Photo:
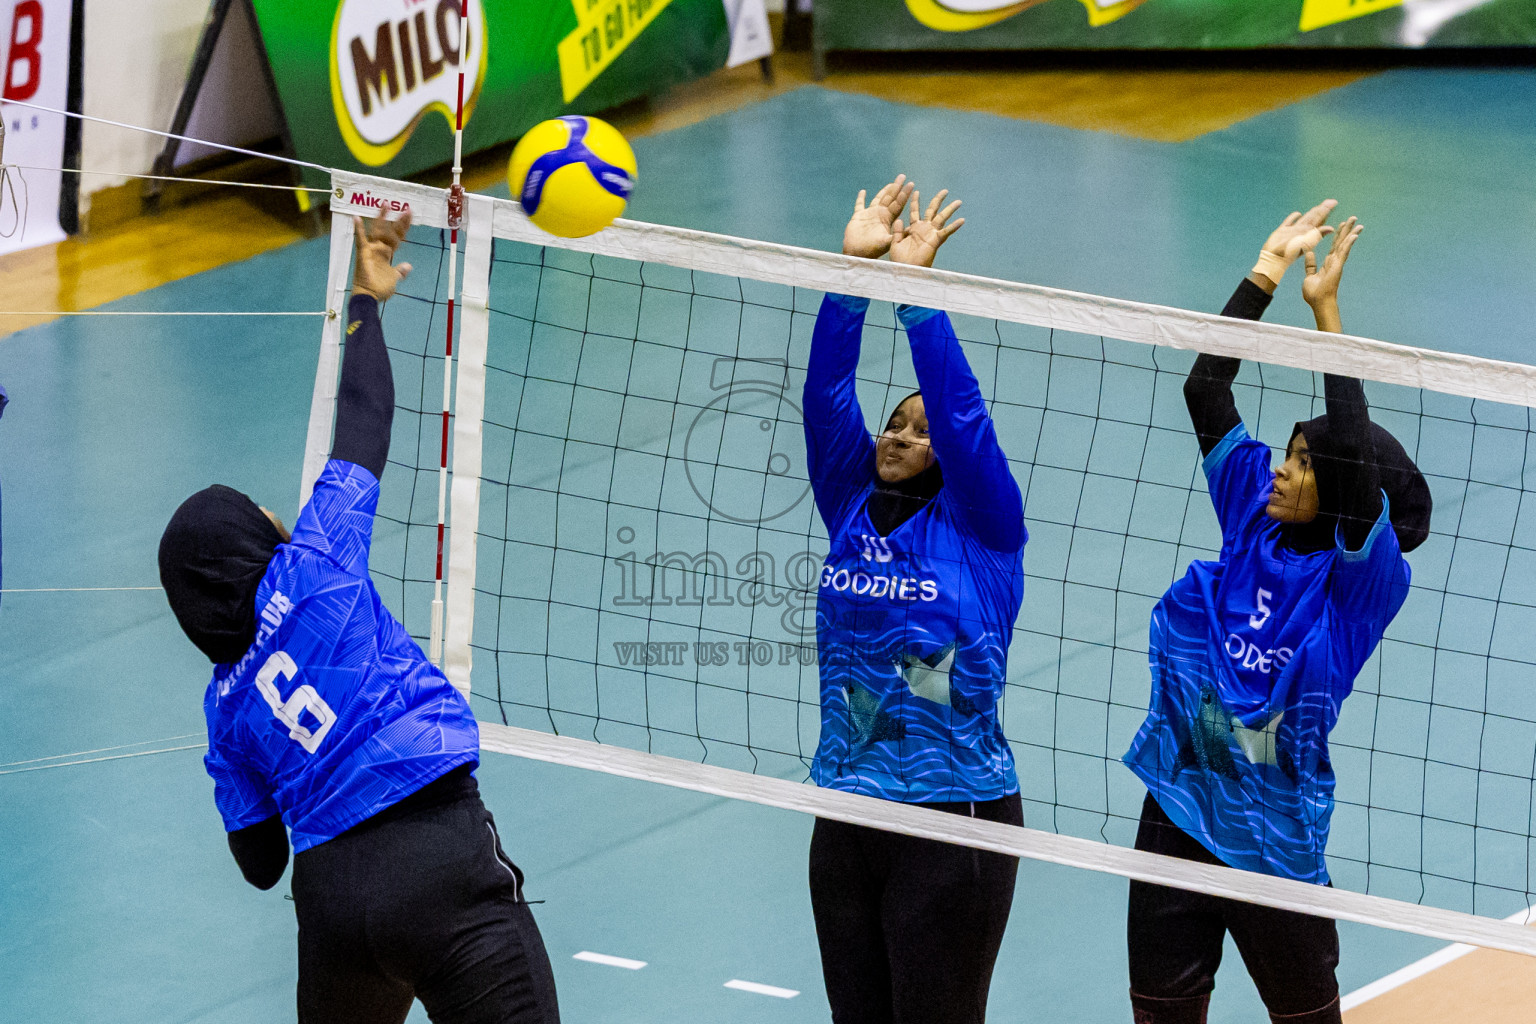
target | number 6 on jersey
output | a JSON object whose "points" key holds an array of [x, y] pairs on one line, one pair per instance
{"points": [[303, 699]]}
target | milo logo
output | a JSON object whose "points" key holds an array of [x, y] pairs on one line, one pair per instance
{"points": [[392, 61]]}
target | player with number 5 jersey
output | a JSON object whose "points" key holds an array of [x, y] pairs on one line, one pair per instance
{"points": [[324, 716], [1253, 654]]}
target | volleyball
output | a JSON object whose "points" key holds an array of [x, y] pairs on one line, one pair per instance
{"points": [[572, 174]]}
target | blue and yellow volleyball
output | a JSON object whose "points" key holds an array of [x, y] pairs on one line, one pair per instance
{"points": [[573, 175]]}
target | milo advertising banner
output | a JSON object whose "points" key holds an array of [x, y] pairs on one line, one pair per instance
{"points": [[1170, 24], [372, 85]]}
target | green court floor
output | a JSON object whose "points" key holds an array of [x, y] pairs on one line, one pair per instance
{"points": [[118, 899]]}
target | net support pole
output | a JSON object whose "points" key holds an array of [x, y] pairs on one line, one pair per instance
{"points": [[435, 635], [455, 222], [469, 404], [322, 406], [1012, 840]]}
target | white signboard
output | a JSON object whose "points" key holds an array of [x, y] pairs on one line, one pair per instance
{"points": [[750, 36], [36, 71]]}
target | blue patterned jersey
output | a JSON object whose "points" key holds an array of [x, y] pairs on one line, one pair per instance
{"points": [[912, 628], [334, 713], [1252, 656]]}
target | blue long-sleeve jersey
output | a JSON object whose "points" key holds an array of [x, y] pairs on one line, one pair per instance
{"points": [[1252, 656], [912, 628], [334, 713]]}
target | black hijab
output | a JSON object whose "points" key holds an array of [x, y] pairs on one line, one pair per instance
{"points": [[213, 555], [1407, 491], [891, 504]]}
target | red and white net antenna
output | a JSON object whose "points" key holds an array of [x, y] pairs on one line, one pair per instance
{"points": [[455, 222]]}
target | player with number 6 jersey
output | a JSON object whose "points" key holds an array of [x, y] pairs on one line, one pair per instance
{"points": [[324, 716]]}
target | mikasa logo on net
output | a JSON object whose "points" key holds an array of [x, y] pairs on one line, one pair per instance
{"points": [[393, 61]]}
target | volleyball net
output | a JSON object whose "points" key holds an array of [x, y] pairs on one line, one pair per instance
{"points": [[632, 553]]}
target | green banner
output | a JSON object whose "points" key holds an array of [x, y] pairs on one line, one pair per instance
{"points": [[1170, 24], [372, 85]]}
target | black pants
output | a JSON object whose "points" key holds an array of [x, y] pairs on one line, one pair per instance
{"points": [[910, 928], [1175, 939], [420, 904]]}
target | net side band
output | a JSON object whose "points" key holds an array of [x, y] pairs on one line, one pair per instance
{"points": [[1034, 305], [1033, 844]]}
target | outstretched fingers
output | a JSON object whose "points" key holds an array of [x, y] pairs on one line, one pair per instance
{"points": [[892, 196], [944, 214], [1345, 239], [950, 229], [380, 230], [934, 204]]}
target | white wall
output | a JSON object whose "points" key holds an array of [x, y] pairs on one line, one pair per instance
{"points": [[137, 53]]}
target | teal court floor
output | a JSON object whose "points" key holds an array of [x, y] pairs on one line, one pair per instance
{"points": [[118, 899]]}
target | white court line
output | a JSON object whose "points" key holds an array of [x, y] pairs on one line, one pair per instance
{"points": [[761, 989], [1419, 968], [609, 961]]}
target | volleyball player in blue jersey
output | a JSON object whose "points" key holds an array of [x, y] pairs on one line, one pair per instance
{"points": [[325, 716], [914, 614], [1252, 656]]}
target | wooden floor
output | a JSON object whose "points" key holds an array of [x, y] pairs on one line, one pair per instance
{"points": [[229, 225], [1484, 987]]}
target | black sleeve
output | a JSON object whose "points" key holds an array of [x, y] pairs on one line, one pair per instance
{"points": [[1208, 389], [261, 850], [1359, 477], [365, 400]]}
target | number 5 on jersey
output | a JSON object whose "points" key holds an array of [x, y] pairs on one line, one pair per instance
{"points": [[302, 699], [1257, 621]]}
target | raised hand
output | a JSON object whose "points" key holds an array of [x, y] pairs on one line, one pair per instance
{"points": [[1296, 233], [1321, 287], [1301, 231], [918, 243], [373, 271], [868, 233]]}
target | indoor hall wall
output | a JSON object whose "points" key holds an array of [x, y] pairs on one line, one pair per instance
{"points": [[137, 53]]}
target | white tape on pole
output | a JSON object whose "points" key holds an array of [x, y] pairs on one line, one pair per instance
{"points": [[322, 405], [469, 414]]}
